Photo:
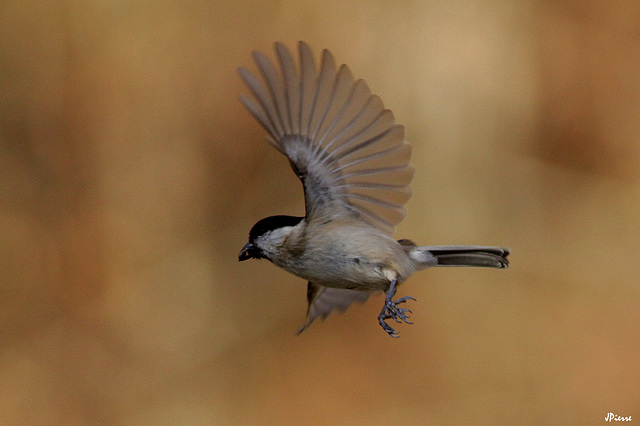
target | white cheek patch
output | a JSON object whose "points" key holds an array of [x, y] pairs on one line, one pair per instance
{"points": [[272, 241], [277, 236]]}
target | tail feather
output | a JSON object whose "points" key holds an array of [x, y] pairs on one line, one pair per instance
{"points": [[479, 256]]}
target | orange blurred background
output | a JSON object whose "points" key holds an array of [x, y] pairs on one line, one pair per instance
{"points": [[130, 176]]}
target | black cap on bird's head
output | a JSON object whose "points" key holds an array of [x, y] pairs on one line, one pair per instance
{"points": [[251, 250]]}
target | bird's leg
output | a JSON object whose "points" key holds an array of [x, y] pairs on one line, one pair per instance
{"points": [[390, 310]]}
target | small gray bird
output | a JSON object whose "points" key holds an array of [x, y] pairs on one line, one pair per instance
{"points": [[355, 167]]}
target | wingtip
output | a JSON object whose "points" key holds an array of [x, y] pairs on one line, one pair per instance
{"points": [[259, 57], [280, 48], [303, 46], [243, 72]]}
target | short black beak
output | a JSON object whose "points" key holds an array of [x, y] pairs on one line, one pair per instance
{"points": [[247, 252]]}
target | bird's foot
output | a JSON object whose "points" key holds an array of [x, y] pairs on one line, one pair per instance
{"points": [[391, 310]]}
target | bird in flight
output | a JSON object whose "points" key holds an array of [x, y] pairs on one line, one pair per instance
{"points": [[354, 165]]}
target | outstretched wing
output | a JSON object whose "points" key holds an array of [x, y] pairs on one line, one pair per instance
{"points": [[322, 300], [340, 140]]}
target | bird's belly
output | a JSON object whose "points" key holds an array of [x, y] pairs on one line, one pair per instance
{"points": [[345, 273]]}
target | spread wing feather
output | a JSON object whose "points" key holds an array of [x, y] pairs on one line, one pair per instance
{"points": [[323, 300], [340, 140]]}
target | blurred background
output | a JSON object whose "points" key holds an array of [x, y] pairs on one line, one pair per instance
{"points": [[130, 176]]}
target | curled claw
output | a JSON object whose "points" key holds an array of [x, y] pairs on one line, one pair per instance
{"points": [[386, 327], [404, 299]]}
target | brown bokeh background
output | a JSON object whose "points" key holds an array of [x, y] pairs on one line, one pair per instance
{"points": [[130, 176]]}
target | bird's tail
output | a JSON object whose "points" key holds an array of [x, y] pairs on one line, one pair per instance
{"points": [[481, 256]]}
